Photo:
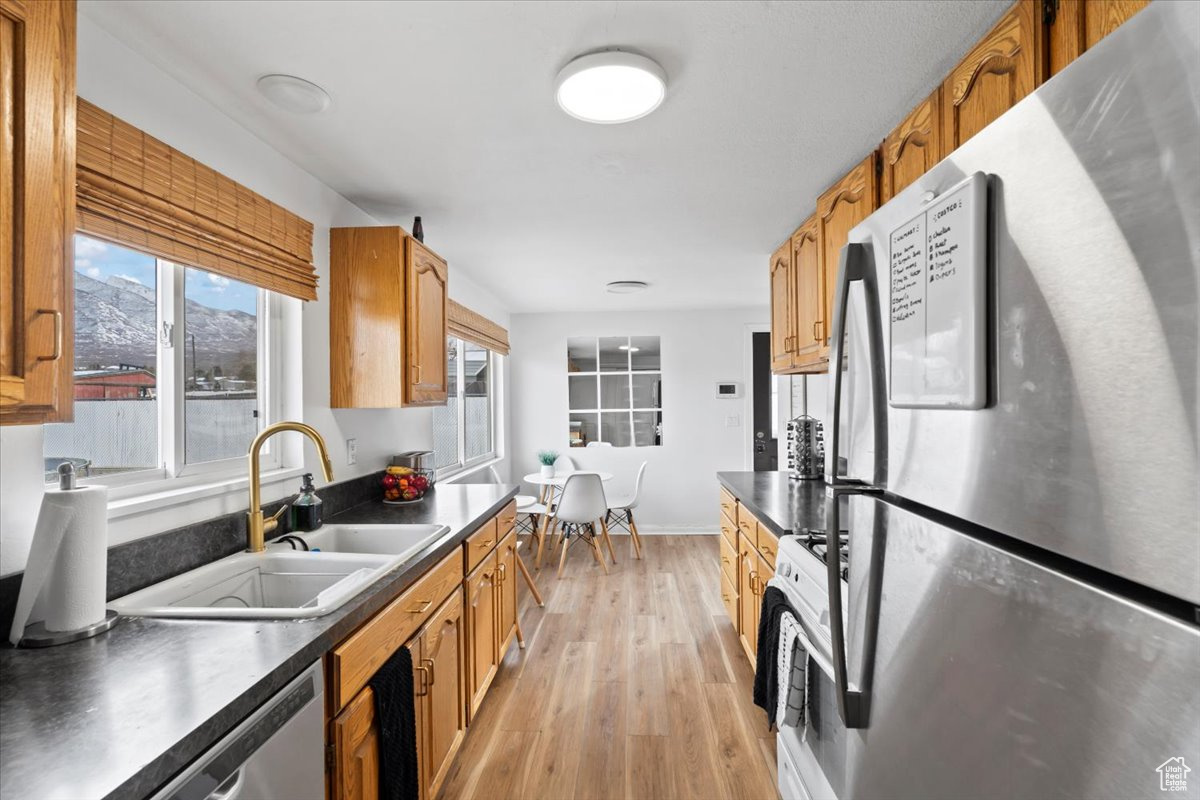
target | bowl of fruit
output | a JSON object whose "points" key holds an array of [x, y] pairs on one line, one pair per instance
{"points": [[405, 485]]}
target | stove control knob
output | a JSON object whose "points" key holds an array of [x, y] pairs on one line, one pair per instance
{"points": [[785, 570]]}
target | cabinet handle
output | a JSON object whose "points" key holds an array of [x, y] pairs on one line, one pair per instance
{"points": [[424, 606], [725, 597], [416, 368], [58, 333], [484, 543], [429, 662], [502, 574], [424, 682], [816, 325]]}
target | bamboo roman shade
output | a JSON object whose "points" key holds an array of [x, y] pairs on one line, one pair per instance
{"points": [[136, 191], [466, 324]]}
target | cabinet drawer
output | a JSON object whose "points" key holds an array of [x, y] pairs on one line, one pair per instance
{"points": [[506, 519], [729, 597], [768, 544], [729, 531], [729, 559], [480, 543], [729, 506], [354, 661], [748, 525]]}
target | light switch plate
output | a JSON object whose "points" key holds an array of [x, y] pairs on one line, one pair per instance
{"points": [[733, 421], [351, 452]]}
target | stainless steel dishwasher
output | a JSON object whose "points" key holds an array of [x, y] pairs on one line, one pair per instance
{"points": [[276, 753]]}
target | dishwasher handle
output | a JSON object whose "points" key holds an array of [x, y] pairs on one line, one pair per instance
{"points": [[231, 789]]}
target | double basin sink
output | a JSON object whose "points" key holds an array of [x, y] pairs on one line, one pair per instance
{"points": [[282, 582]]}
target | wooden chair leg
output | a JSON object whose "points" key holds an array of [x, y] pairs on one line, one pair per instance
{"points": [[520, 635], [608, 541], [545, 525], [633, 532], [537, 596], [595, 543], [562, 560]]}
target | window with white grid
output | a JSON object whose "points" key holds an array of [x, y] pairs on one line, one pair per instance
{"points": [[614, 391]]}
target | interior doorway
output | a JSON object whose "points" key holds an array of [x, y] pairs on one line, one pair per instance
{"points": [[766, 444]]}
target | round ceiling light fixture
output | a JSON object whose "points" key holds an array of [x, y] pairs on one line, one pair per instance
{"points": [[610, 87], [294, 94], [626, 287]]}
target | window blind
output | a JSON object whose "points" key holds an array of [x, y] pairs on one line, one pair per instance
{"points": [[136, 191], [466, 324]]}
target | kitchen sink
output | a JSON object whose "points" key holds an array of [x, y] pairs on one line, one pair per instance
{"points": [[285, 583], [271, 585], [402, 540]]}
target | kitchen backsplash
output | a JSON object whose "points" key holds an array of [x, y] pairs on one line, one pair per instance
{"points": [[142, 562]]}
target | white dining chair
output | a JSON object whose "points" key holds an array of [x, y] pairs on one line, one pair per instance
{"points": [[564, 464], [599, 444], [580, 506], [623, 506]]}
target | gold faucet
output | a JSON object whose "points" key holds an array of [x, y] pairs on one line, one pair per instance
{"points": [[258, 526]]}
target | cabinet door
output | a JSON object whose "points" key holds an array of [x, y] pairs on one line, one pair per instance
{"points": [[748, 596], [506, 605], [37, 209], [810, 305], [356, 750], [844, 205], [481, 630], [1079, 24], [1007, 64], [782, 320], [912, 149], [425, 326], [443, 714]]}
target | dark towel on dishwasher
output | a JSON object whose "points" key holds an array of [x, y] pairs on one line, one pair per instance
{"points": [[394, 706], [766, 669]]}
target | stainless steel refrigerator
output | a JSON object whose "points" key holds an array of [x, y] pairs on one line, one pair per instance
{"points": [[1014, 382]]}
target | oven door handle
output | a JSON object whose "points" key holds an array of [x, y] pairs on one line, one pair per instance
{"points": [[816, 655]]}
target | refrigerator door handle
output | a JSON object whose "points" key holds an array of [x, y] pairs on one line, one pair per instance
{"points": [[857, 263], [853, 704]]}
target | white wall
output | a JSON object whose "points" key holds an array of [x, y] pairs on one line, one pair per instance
{"points": [[122, 82], [699, 348]]}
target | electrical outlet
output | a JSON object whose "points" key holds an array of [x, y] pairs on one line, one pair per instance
{"points": [[351, 452]]}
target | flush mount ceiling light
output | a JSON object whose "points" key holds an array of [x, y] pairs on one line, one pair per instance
{"points": [[610, 87], [626, 287], [294, 94], [628, 347]]}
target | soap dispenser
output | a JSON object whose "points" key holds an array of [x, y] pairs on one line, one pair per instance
{"points": [[305, 513]]}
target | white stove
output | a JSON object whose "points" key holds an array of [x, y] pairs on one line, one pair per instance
{"points": [[811, 759]]}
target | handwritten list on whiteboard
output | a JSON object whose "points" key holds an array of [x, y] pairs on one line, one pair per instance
{"points": [[938, 281]]}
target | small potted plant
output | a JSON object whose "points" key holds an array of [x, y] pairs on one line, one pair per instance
{"points": [[547, 459]]}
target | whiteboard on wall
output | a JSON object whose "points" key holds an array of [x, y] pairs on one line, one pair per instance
{"points": [[938, 301]]}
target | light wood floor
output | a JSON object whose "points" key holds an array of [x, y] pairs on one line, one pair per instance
{"points": [[632, 685]]}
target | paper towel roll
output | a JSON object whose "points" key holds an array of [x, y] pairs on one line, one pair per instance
{"points": [[68, 561]]}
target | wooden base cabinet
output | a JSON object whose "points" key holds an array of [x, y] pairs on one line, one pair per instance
{"points": [[748, 596], [355, 742], [747, 561], [482, 648], [437, 654], [37, 209], [506, 604]]}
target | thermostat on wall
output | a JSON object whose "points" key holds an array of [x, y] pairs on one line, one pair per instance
{"points": [[729, 389]]}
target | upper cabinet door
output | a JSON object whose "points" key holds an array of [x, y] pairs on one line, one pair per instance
{"points": [[425, 326], [912, 149], [782, 320], [37, 209], [1079, 24], [810, 305], [1007, 64], [844, 205]]}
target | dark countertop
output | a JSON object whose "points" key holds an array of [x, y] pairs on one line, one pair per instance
{"points": [[784, 505], [119, 715]]}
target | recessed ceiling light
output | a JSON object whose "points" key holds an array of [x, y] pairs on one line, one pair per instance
{"points": [[610, 87], [626, 287], [294, 94]]}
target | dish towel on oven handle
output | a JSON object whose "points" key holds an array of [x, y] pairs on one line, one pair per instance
{"points": [[793, 674], [766, 665]]}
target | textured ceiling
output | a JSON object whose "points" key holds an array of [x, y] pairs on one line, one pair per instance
{"points": [[446, 110]]}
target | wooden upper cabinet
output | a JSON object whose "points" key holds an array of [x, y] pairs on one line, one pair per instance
{"points": [[426, 281], [1079, 24], [844, 205], [438, 650], [355, 738], [912, 149], [387, 320], [1007, 64], [811, 353], [37, 209], [783, 321]]}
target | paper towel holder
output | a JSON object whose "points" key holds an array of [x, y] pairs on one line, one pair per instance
{"points": [[36, 635]]}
